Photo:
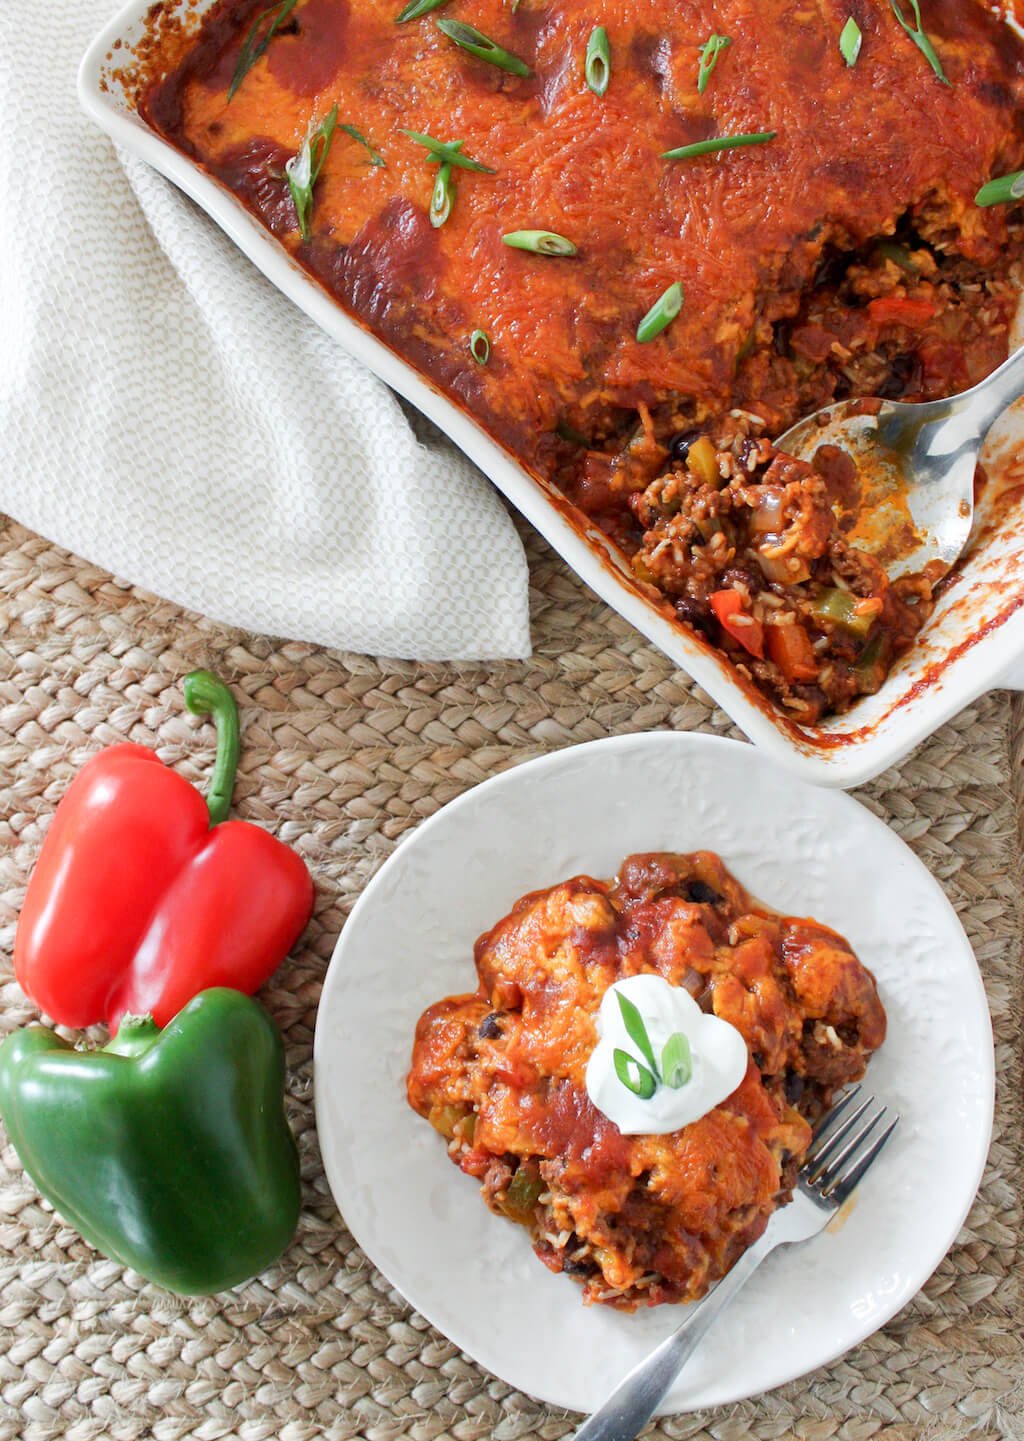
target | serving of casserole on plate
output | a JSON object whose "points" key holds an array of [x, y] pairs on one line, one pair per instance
{"points": [[614, 282], [646, 1180]]}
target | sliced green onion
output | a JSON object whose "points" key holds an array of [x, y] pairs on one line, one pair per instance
{"points": [[416, 8], [850, 41], [375, 156], [480, 347], [541, 242], [598, 68], [256, 41], [1002, 190], [920, 39], [634, 1077], [443, 196], [636, 1030], [662, 313], [469, 38], [719, 142], [449, 151], [676, 1061], [709, 53], [303, 168]]}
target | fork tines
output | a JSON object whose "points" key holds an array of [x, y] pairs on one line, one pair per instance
{"points": [[837, 1159]]}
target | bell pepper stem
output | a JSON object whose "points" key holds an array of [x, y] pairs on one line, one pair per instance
{"points": [[206, 694], [134, 1036]]}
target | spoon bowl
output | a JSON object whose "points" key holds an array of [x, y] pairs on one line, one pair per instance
{"points": [[909, 496]]}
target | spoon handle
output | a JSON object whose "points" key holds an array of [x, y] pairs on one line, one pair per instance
{"points": [[985, 402]]}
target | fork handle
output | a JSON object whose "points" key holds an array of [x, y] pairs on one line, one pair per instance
{"points": [[635, 1400]]}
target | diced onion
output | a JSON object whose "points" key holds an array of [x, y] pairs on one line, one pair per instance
{"points": [[768, 513], [783, 569]]}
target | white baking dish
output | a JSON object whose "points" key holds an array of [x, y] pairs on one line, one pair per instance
{"points": [[974, 642]]}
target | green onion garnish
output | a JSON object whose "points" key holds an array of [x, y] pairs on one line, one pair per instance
{"points": [[850, 41], [636, 1030], [256, 41], [1002, 190], [598, 68], [443, 196], [480, 347], [662, 313], [302, 169], [676, 1061], [449, 151], [469, 38], [634, 1077], [416, 8], [709, 53], [541, 242], [375, 157], [920, 39], [719, 142]]}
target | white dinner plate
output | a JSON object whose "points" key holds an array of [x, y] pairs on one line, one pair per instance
{"points": [[808, 851]]}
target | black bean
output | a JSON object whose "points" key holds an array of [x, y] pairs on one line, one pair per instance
{"points": [[702, 894], [794, 1087], [696, 613], [679, 445], [489, 1027], [904, 375], [577, 1268], [742, 575]]}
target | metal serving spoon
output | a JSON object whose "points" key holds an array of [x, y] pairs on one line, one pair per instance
{"points": [[916, 467]]}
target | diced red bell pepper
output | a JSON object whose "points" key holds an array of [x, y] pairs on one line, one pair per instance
{"points": [[144, 895], [789, 646], [737, 623], [897, 310]]}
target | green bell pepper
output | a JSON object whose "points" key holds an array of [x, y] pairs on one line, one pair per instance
{"points": [[168, 1149], [840, 607]]}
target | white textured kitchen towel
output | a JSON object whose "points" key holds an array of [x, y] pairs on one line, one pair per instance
{"points": [[167, 414]]}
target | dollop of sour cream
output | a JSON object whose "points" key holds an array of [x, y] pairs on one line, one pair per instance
{"points": [[718, 1056]]}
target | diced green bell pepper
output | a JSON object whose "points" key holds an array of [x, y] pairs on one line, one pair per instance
{"points": [[870, 669], [524, 1190], [838, 608]]}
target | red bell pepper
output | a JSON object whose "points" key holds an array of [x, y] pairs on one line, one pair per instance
{"points": [[728, 608], [789, 646], [897, 310], [144, 895]]}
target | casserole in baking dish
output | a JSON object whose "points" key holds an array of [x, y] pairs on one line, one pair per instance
{"points": [[842, 255]]}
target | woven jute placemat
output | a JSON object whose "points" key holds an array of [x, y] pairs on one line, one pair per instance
{"points": [[342, 755]]}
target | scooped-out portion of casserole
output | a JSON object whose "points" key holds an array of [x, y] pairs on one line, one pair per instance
{"points": [[632, 320], [503, 1073]]}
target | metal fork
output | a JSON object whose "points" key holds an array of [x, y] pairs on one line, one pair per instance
{"points": [[838, 1159]]}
